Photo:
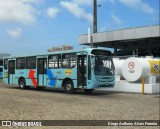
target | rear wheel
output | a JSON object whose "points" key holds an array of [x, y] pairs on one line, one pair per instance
{"points": [[22, 84], [68, 87]]}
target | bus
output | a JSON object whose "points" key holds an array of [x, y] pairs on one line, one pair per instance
{"points": [[1, 71], [70, 70]]}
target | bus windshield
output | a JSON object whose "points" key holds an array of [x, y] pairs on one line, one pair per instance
{"points": [[103, 66]]}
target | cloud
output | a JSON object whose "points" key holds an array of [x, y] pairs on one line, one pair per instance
{"points": [[14, 33], [52, 12], [146, 8], [136, 4], [33, 1], [75, 8], [21, 11], [106, 27], [113, 1], [83, 2], [116, 19]]}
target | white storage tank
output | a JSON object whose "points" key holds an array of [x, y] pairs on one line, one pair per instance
{"points": [[118, 66], [133, 69]]}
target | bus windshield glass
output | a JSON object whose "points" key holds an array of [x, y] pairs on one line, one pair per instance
{"points": [[103, 66]]}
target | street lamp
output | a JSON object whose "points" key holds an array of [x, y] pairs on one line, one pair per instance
{"points": [[95, 16]]}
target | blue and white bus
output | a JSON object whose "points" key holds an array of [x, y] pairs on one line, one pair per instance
{"points": [[71, 70], [1, 71]]}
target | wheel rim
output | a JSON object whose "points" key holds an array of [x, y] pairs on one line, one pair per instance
{"points": [[21, 84], [68, 87]]}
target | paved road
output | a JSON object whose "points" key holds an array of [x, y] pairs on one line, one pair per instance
{"points": [[51, 104]]}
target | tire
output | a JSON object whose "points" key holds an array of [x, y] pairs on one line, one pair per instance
{"points": [[68, 87], [22, 84], [88, 90]]}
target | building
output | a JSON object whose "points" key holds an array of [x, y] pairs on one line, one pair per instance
{"points": [[62, 48], [141, 40]]}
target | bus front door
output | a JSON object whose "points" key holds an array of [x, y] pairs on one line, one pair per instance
{"points": [[81, 70], [11, 72], [41, 71]]}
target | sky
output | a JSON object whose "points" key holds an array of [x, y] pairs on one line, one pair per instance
{"points": [[33, 26]]}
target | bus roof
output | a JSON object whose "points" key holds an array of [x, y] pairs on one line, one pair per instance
{"points": [[88, 50]]}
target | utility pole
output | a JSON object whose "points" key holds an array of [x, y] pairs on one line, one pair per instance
{"points": [[95, 16]]}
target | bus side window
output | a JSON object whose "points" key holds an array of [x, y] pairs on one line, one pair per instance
{"points": [[69, 60], [73, 60], [5, 64], [20, 63], [1, 69], [31, 62], [54, 61], [1, 62]]}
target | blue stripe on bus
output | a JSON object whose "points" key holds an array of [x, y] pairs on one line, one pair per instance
{"points": [[51, 78]]}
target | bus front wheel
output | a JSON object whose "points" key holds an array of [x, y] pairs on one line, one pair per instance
{"points": [[68, 87]]}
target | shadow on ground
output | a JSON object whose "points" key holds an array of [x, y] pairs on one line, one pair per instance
{"points": [[51, 90]]}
